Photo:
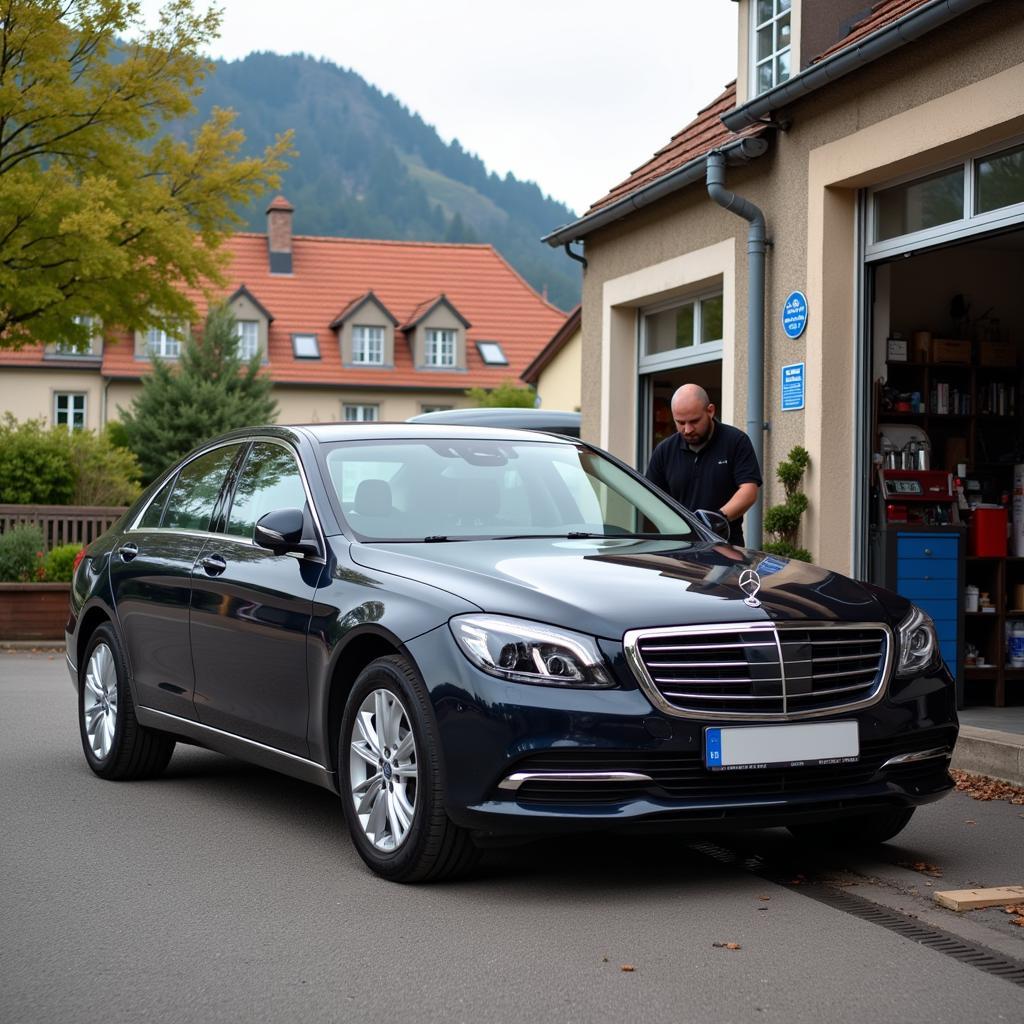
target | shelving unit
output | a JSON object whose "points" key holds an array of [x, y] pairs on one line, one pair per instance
{"points": [[987, 630], [981, 428]]}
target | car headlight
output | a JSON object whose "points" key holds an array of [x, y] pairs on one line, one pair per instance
{"points": [[530, 652], [918, 642]]}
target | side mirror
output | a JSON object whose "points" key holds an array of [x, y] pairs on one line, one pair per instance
{"points": [[282, 530], [715, 522]]}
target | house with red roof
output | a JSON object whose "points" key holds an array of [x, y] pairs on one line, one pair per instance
{"points": [[347, 329], [833, 248]]}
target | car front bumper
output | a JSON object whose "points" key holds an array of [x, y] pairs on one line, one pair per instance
{"points": [[523, 759]]}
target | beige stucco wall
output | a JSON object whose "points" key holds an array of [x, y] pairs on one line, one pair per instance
{"points": [[28, 394], [952, 92], [326, 405], [558, 386]]}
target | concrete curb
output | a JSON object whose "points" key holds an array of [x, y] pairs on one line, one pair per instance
{"points": [[31, 645], [990, 752]]}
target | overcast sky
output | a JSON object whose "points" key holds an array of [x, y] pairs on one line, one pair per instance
{"points": [[572, 94]]}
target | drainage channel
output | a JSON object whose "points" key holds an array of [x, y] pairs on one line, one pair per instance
{"points": [[979, 957]]}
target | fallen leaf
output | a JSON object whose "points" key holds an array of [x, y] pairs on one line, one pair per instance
{"points": [[923, 867], [762, 908], [1015, 909], [970, 821], [766, 898], [982, 787], [627, 968], [604, 959], [726, 945], [1018, 921]]}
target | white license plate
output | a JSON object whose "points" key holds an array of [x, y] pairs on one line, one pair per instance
{"points": [[798, 743]]}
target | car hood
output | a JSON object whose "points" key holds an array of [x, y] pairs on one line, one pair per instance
{"points": [[607, 586]]}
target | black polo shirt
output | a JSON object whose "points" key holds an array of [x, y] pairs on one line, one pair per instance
{"points": [[708, 478]]}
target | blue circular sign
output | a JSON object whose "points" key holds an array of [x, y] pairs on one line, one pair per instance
{"points": [[794, 314]]}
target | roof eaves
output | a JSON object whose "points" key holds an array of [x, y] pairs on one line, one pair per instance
{"points": [[357, 304], [739, 151], [912, 25]]}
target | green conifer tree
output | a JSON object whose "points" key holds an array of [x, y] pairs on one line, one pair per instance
{"points": [[211, 390]]}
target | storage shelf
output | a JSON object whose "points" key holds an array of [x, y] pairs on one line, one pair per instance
{"points": [[980, 672]]}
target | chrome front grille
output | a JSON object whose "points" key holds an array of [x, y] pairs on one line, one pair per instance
{"points": [[761, 670]]}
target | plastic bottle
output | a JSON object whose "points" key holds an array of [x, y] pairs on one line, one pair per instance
{"points": [[1017, 645]]}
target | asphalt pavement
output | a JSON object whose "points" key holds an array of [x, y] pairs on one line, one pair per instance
{"points": [[223, 892]]}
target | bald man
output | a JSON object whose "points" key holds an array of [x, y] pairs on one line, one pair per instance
{"points": [[706, 464]]}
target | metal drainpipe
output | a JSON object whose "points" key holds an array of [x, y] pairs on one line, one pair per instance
{"points": [[757, 246]]}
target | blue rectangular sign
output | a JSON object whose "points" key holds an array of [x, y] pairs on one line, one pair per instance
{"points": [[792, 387]]}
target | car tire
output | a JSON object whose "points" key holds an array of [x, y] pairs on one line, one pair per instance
{"points": [[116, 746], [862, 830], [391, 779]]}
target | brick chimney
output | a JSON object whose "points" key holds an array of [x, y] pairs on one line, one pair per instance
{"points": [[279, 235]]}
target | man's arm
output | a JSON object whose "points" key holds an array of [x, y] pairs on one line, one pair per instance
{"points": [[737, 505]]}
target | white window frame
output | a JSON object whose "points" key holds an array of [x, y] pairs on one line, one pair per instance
{"points": [[352, 413], [68, 351], [755, 26], [248, 338], [70, 399], [699, 351], [367, 345], [167, 346], [439, 347], [970, 224]]}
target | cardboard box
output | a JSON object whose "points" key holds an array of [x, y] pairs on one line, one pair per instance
{"points": [[948, 350], [921, 342], [997, 353]]}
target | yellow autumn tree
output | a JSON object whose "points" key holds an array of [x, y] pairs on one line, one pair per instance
{"points": [[104, 213]]}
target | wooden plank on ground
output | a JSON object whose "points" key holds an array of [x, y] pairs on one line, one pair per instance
{"points": [[975, 899]]}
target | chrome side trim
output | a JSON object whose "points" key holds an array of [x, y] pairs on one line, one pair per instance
{"points": [[516, 779], [238, 746], [918, 755], [770, 631]]}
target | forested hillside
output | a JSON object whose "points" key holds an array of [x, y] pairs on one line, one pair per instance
{"points": [[370, 168]]}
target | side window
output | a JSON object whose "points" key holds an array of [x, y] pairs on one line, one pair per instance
{"points": [[192, 501], [151, 519], [269, 480]]}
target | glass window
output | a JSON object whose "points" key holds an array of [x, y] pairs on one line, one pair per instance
{"points": [[492, 353], [69, 410], [440, 347], [69, 348], [269, 481], [436, 408], [408, 490], [361, 413], [160, 343], [669, 329], [305, 346], [368, 345], [248, 338], [153, 514], [711, 319], [194, 497], [999, 180], [772, 38], [919, 204]]}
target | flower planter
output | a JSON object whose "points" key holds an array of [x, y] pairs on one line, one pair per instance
{"points": [[33, 611]]}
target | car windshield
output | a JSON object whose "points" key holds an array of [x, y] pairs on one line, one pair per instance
{"points": [[451, 490]]}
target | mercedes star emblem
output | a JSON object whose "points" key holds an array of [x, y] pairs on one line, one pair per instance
{"points": [[750, 584]]}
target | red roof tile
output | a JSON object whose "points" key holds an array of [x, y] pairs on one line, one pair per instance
{"points": [[703, 134], [328, 274], [881, 14]]}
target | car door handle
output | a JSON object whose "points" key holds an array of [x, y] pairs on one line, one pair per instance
{"points": [[128, 551], [213, 565]]}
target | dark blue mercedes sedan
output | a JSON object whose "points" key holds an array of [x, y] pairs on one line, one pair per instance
{"points": [[473, 634]]}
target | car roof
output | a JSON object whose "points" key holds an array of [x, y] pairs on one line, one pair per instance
{"points": [[516, 417], [330, 432]]}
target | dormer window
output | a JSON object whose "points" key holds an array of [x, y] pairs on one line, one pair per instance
{"points": [[440, 347], [92, 350], [771, 39], [160, 343], [248, 338], [367, 345]]}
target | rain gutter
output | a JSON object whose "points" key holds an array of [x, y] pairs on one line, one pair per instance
{"points": [[738, 152], [892, 37]]}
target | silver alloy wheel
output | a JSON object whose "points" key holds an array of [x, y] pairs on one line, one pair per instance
{"points": [[382, 769], [99, 701]]}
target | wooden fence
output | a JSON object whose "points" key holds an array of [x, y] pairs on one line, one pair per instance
{"points": [[61, 524]]}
